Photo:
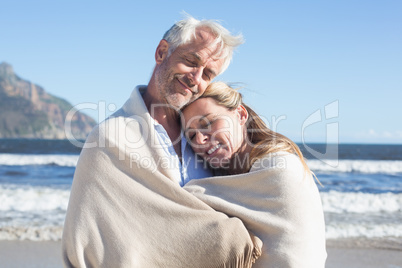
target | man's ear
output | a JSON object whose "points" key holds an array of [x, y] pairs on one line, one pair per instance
{"points": [[243, 114], [161, 51]]}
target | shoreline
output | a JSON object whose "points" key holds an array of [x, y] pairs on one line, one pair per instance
{"points": [[14, 253]]}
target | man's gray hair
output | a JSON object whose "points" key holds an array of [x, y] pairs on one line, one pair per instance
{"points": [[184, 31]]}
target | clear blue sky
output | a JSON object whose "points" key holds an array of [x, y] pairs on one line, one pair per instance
{"points": [[299, 57]]}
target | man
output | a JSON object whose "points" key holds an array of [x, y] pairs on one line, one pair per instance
{"points": [[127, 208]]}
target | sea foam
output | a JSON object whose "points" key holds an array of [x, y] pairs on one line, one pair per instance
{"points": [[349, 202], [43, 233], [38, 159], [28, 198], [323, 166], [35, 198], [368, 230], [32, 213], [356, 166]]}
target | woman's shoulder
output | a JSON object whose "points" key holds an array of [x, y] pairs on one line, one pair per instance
{"points": [[278, 160], [287, 172], [281, 164]]}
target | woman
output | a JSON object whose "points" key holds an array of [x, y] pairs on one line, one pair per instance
{"points": [[267, 184]]}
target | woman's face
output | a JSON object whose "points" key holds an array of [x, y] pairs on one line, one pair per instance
{"points": [[214, 132]]}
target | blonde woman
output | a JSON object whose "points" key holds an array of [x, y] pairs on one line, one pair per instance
{"points": [[264, 179]]}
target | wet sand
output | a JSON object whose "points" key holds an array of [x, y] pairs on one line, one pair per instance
{"points": [[48, 254]]}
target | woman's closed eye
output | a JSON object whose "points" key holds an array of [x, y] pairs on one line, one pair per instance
{"points": [[204, 125], [207, 122], [189, 134]]}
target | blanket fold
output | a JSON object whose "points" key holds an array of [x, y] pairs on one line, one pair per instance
{"points": [[279, 203]]}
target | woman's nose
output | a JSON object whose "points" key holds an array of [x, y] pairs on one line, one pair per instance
{"points": [[201, 138]]}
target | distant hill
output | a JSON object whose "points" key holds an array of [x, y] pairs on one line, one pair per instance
{"points": [[28, 111]]}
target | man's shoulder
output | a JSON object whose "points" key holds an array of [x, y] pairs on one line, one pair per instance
{"points": [[133, 115], [134, 105], [131, 109]]}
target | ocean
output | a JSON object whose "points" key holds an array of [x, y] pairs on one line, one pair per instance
{"points": [[361, 189]]}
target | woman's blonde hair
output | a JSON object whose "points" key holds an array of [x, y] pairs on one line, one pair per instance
{"points": [[264, 140]]}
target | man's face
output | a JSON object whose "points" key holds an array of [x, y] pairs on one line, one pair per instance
{"points": [[185, 74]]}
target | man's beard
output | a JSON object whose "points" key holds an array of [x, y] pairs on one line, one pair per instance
{"points": [[170, 91]]}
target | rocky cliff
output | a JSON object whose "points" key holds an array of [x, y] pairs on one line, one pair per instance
{"points": [[28, 111]]}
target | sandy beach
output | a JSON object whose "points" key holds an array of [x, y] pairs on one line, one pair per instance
{"points": [[48, 254]]}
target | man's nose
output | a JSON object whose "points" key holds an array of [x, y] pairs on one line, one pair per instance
{"points": [[196, 75]]}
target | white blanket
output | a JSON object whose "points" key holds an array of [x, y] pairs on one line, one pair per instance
{"points": [[127, 210], [278, 204]]}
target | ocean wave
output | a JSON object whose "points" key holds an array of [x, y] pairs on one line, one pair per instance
{"points": [[318, 166], [347, 202], [356, 166], [29, 198], [40, 198], [43, 233], [32, 213], [333, 231], [37, 213], [368, 230], [54, 233], [38, 159]]}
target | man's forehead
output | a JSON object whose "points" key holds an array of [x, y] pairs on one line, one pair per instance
{"points": [[204, 45], [204, 55]]}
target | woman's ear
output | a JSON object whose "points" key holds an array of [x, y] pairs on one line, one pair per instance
{"points": [[161, 51], [243, 114]]}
